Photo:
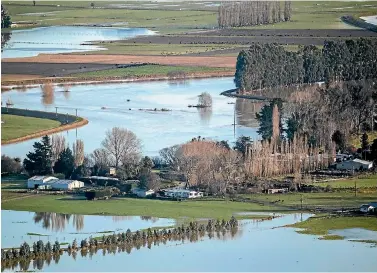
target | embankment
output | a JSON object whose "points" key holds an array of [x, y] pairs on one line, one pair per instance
{"points": [[357, 22], [111, 79], [67, 122], [232, 93]]}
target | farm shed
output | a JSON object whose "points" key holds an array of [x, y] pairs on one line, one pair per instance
{"points": [[67, 184], [142, 192], [35, 181], [355, 164]]}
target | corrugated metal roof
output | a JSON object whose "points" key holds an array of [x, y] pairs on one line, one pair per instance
{"points": [[41, 177], [362, 161], [63, 181]]}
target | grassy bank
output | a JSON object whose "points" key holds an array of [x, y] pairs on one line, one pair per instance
{"points": [[155, 49], [132, 207], [19, 126], [365, 181], [148, 70], [322, 225], [330, 200]]}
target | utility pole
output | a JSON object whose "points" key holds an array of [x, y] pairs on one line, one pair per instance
{"points": [[76, 112], [234, 120], [56, 111], [355, 188], [301, 201]]}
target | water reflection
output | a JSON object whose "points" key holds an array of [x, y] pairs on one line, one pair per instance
{"points": [[58, 221], [5, 37], [205, 115], [175, 83], [246, 112], [48, 95]]}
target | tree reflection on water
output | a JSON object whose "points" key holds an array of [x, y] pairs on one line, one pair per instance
{"points": [[58, 221]]}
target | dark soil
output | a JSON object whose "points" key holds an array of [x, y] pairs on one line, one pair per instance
{"points": [[247, 36]]}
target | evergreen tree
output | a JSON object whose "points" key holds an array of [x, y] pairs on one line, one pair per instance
{"points": [[39, 161], [364, 142], [265, 119], [66, 163], [339, 139], [242, 143], [5, 18]]}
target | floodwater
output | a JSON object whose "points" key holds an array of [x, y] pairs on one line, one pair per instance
{"points": [[370, 19], [15, 226], [156, 129], [355, 234], [62, 39], [257, 246]]}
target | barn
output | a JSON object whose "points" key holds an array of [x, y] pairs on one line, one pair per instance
{"points": [[35, 181], [67, 185]]}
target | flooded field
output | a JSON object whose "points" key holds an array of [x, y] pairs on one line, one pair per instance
{"points": [[250, 249], [131, 106], [23, 226], [62, 39]]}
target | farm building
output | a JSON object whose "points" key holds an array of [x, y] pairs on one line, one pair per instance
{"points": [[368, 207], [355, 164], [181, 193], [66, 184], [142, 192], [35, 181], [273, 191]]}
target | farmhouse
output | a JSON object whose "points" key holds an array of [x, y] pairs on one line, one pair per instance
{"points": [[66, 184], [142, 192], [181, 193], [35, 181], [355, 164]]}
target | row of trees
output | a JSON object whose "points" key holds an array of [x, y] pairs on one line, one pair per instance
{"points": [[270, 65], [124, 241], [251, 13]]}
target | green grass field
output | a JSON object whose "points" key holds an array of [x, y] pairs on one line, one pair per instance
{"points": [[314, 200], [322, 225], [133, 207], [148, 70], [18, 126], [369, 181], [156, 49], [184, 17]]}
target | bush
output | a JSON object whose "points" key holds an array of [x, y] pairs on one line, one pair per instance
{"points": [[10, 165]]}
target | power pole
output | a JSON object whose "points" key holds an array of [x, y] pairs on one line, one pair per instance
{"points": [[355, 188], [56, 111], [301, 201], [234, 121], [76, 112]]}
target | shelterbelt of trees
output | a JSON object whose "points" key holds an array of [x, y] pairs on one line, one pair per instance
{"points": [[271, 65], [252, 13]]}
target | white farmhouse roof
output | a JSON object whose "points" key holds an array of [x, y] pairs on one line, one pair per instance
{"points": [[103, 178], [41, 177]]}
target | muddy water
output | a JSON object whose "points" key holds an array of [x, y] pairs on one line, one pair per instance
{"points": [[258, 246], [63, 39], [110, 105]]}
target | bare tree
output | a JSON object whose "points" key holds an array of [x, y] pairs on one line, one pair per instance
{"points": [[205, 100], [47, 93], [100, 158], [122, 145], [78, 152], [57, 146], [170, 156]]}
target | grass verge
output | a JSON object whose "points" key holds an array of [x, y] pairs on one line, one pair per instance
{"points": [[134, 207], [366, 181], [148, 70], [19, 126]]}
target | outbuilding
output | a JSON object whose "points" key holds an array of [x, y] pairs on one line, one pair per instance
{"points": [[67, 184], [35, 181], [355, 164], [367, 208], [142, 192]]}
